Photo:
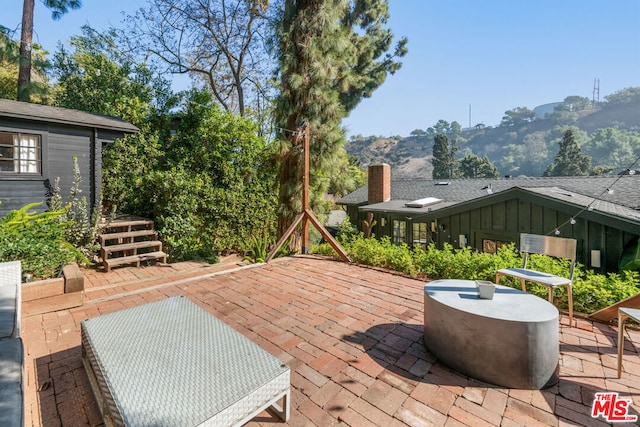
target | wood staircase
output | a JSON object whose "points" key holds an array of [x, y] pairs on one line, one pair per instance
{"points": [[129, 241]]}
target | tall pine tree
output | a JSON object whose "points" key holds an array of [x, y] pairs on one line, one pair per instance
{"points": [[58, 8], [473, 166], [444, 157], [332, 54], [569, 161]]}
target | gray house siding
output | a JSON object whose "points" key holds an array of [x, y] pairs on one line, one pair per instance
{"points": [[59, 144], [15, 194], [606, 211], [64, 145], [503, 221]]}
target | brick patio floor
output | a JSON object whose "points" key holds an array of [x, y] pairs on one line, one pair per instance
{"points": [[352, 337]]}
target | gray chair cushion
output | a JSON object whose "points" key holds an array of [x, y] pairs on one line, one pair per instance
{"points": [[8, 310], [11, 404]]}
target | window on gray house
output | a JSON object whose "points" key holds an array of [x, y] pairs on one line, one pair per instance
{"points": [[20, 153], [420, 234], [399, 232]]}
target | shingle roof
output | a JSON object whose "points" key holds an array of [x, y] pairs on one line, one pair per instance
{"points": [[27, 111], [624, 201]]}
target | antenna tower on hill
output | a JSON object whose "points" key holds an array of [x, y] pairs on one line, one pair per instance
{"points": [[596, 93]]}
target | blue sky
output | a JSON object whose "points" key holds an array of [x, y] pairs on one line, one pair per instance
{"points": [[484, 56]]}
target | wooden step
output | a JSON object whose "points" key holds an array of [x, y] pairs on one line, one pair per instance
{"points": [[127, 235], [135, 259], [133, 246], [128, 224]]}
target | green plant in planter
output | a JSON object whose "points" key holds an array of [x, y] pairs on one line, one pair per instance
{"points": [[38, 240]]}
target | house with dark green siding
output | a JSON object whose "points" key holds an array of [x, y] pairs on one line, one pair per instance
{"points": [[38, 144], [601, 213]]}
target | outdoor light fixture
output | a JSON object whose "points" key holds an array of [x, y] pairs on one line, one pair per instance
{"points": [[462, 239], [595, 258]]}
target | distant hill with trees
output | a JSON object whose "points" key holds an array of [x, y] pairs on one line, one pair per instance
{"points": [[521, 145]]}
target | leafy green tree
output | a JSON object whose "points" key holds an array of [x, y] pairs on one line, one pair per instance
{"points": [[58, 8], [444, 160], [452, 130], [96, 77], [9, 68], [528, 157], [624, 96], [574, 103], [331, 54], [473, 166], [517, 116], [9, 56], [569, 161], [613, 148]]}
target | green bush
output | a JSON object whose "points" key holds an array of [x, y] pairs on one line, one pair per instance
{"points": [[208, 181], [38, 240], [382, 253], [178, 200], [82, 229], [450, 263], [591, 291]]}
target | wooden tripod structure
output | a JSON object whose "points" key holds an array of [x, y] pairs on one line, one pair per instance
{"points": [[307, 215]]}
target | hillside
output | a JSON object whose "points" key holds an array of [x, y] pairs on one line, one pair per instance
{"points": [[610, 134]]}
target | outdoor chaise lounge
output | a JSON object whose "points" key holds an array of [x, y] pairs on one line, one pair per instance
{"points": [[171, 363]]}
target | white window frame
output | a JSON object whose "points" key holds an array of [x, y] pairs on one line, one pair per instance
{"points": [[26, 152]]}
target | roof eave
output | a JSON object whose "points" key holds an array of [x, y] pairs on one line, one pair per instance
{"points": [[126, 129]]}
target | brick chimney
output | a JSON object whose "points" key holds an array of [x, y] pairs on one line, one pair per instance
{"points": [[379, 183]]}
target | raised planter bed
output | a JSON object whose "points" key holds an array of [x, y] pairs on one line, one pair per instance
{"points": [[45, 296]]}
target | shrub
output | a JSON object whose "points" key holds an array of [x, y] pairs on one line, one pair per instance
{"points": [[382, 253], [82, 229], [38, 240], [208, 183], [591, 291], [450, 263], [177, 200]]}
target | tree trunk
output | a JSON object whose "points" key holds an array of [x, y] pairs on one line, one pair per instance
{"points": [[24, 75], [290, 191]]}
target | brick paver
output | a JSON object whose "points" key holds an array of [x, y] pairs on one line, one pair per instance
{"points": [[352, 337]]}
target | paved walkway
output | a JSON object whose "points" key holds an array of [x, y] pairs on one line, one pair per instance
{"points": [[352, 337]]}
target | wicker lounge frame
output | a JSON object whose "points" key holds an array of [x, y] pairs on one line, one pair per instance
{"points": [[171, 363]]}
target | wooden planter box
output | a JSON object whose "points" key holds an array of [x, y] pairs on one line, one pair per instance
{"points": [[45, 296]]}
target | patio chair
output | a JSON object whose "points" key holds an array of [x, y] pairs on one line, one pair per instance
{"points": [[624, 313], [557, 247]]}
